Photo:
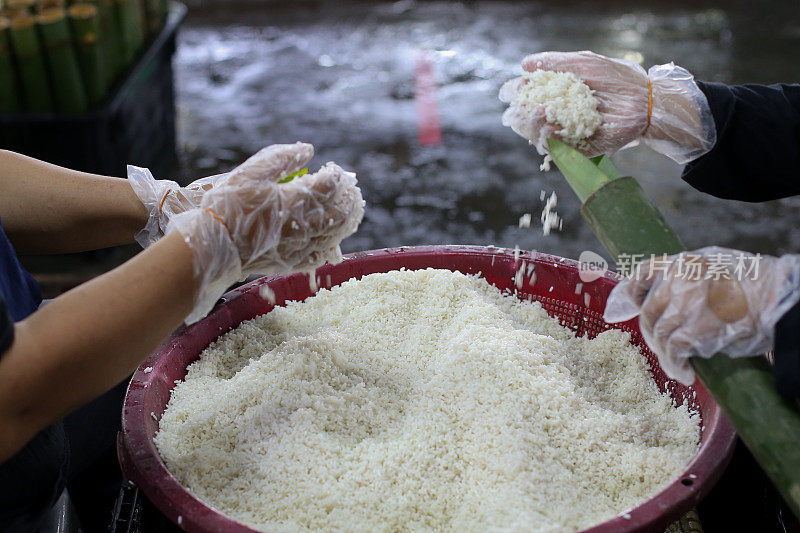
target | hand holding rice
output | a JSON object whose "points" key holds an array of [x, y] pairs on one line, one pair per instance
{"points": [[547, 104], [599, 105]]}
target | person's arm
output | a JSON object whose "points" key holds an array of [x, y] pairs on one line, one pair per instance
{"points": [[697, 304], [51, 209], [87, 340], [662, 106], [757, 154]]}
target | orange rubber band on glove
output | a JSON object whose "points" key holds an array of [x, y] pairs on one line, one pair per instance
{"points": [[649, 104], [224, 225], [160, 206]]}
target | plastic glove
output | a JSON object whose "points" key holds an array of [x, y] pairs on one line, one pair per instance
{"points": [[677, 121], [703, 302], [165, 199], [249, 223]]}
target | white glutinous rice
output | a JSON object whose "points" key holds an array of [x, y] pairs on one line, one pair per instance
{"points": [[525, 221], [519, 276], [421, 400], [313, 284], [550, 218], [267, 293], [569, 104]]}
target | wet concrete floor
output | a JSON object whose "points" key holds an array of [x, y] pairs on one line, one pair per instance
{"points": [[341, 76]]}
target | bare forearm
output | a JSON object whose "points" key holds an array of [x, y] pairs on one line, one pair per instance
{"points": [[89, 339], [50, 209]]}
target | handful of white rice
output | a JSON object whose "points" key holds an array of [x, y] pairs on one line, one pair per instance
{"points": [[568, 103], [421, 401]]}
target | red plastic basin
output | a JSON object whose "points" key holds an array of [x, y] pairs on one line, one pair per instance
{"points": [[149, 392]]}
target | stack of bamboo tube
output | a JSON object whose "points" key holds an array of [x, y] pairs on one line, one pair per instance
{"points": [[65, 56]]}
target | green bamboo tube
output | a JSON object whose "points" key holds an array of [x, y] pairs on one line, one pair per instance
{"points": [[9, 94], [115, 57], [68, 91], [110, 42], [127, 16], [154, 16], [31, 66], [85, 24], [11, 14], [768, 423], [141, 11], [137, 8], [609, 208]]}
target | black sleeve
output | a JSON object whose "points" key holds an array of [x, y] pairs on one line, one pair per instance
{"points": [[757, 154], [787, 353], [6, 328]]}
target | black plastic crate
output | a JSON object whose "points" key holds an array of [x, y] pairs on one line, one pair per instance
{"points": [[135, 125], [135, 514]]}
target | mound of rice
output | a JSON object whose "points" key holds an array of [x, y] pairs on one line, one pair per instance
{"points": [[421, 400]]}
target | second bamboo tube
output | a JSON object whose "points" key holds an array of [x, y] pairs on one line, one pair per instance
{"points": [[32, 70], [68, 90], [85, 25], [9, 95]]}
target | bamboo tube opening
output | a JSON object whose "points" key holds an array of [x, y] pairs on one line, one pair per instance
{"points": [[22, 22], [22, 5], [50, 15], [85, 25], [82, 11], [5, 42], [47, 4], [14, 13]]}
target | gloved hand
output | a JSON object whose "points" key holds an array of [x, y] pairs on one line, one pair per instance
{"points": [[165, 199], [703, 302], [663, 106], [249, 223]]}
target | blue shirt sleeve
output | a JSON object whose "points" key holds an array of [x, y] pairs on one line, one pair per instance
{"points": [[32, 479], [21, 292]]}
